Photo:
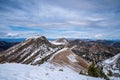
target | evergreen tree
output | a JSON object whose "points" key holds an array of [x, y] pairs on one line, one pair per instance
{"points": [[110, 73], [92, 71], [96, 71]]}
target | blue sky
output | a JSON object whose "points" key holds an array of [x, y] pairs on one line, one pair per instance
{"points": [[95, 19]]}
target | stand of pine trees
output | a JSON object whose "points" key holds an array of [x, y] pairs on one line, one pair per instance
{"points": [[96, 71]]}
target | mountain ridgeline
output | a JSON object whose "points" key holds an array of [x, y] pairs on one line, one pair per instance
{"points": [[31, 51], [75, 54], [98, 50]]}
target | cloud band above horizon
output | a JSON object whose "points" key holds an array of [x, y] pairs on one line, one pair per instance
{"points": [[97, 19]]}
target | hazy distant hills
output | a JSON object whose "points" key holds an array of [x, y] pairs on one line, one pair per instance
{"points": [[12, 39], [5, 45]]}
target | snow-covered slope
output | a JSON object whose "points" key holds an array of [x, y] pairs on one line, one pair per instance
{"points": [[112, 64], [46, 71], [113, 60], [31, 51]]}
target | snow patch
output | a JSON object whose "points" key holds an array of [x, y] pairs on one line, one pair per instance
{"points": [[72, 58]]}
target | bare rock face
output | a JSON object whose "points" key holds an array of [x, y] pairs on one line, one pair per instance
{"points": [[65, 57], [32, 51]]}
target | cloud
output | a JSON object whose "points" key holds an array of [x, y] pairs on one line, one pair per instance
{"points": [[18, 35], [73, 17], [12, 35], [98, 35]]}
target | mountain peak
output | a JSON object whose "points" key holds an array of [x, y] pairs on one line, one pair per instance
{"points": [[32, 51], [62, 40]]}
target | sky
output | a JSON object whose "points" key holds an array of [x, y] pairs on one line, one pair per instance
{"points": [[93, 19]]}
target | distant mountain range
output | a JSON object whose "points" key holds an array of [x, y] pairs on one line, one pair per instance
{"points": [[12, 39], [52, 39], [5, 45]]}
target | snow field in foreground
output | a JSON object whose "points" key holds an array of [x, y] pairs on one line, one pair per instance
{"points": [[46, 71]]}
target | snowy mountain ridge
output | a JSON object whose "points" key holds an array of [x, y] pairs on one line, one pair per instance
{"points": [[112, 60], [53, 60], [31, 51], [112, 64]]}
